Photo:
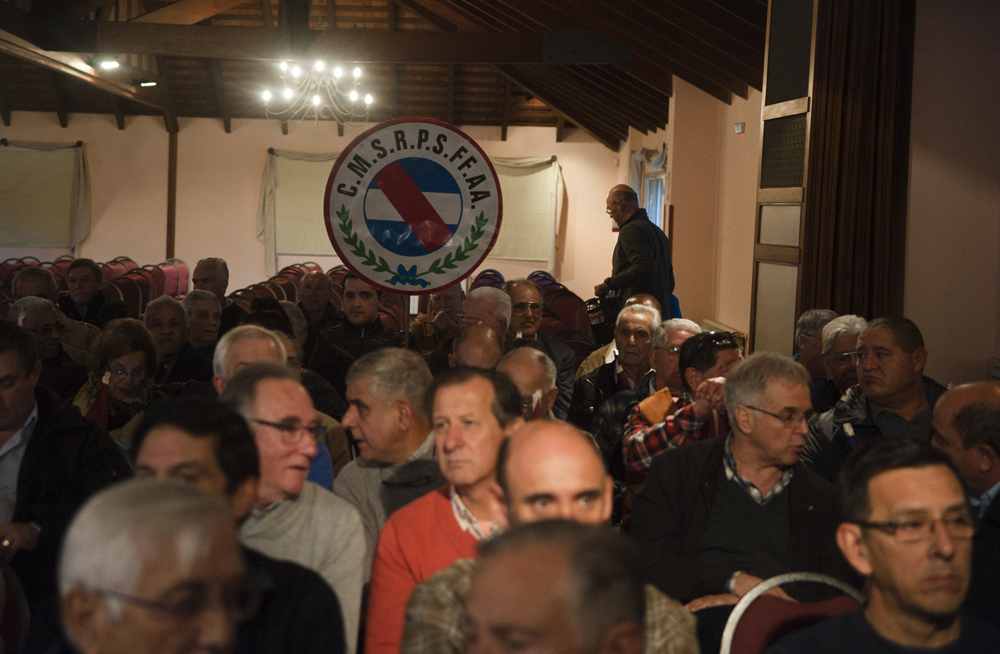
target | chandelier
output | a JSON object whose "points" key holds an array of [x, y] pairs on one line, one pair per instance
{"points": [[317, 92]]}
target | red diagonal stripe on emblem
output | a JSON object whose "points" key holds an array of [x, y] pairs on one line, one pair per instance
{"points": [[409, 201]]}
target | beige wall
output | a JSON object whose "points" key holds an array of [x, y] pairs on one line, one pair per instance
{"points": [[953, 230]]}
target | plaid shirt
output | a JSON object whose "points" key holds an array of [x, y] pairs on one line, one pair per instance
{"points": [[468, 522], [732, 473], [643, 440]]}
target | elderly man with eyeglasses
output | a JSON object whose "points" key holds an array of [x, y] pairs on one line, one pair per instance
{"points": [[294, 519], [663, 421], [908, 530], [718, 516]]}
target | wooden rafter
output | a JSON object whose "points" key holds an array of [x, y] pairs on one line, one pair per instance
{"points": [[188, 12], [220, 95], [79, 8], [116, 109], [596, 128], [58, 96], [4, 102], [505, 120]]}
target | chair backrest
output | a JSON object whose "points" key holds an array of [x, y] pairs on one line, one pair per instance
{"points": [[183, 276], [159, 280], [130, 292], [171, 277], [488, 277], [582, 344], [289, 286], [570, 308], [759, 620], [146, 283]]}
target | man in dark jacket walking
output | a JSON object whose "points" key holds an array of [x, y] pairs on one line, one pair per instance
{"points": [[641, 260]]}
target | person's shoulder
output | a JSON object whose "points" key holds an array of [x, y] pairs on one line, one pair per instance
{"points": [[978, 636], [418, 513], [326, 503], [842, 633]]}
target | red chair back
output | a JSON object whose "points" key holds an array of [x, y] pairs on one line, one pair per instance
{"points": [[770, 618], [570, 308], [288, 285], [581, 344], [130, 292], [183, 276], [488, 277], [144, 280], [171, 278]]}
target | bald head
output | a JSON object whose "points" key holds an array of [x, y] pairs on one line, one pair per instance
{"points": [[644, 299], [967, 429], [549, 470], [622, 202], [534, 374], [314, 294], [477, 346]]}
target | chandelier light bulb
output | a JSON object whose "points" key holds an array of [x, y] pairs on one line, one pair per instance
{"points": [[368, 99], [109, 64], [354, 96], [284, 66], [296, 71], [316, 100], [267, 96], [357, 73], [288, 94], [319, 66], [337, 72]]}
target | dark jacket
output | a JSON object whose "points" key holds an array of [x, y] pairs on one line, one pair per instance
{"points": [[232, 315], [983, 599], [325, 397], [188, 365], [590, 392], [326, 359], [824, 394], [331, 318], [641, 262], [299, 612], [671, 513], [68, 459], [565, 359], [100, 311], [359, 340], [829, 442], [63, 376]]}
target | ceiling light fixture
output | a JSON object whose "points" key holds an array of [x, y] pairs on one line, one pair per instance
{"points": [[318, 92], [109, 64]]}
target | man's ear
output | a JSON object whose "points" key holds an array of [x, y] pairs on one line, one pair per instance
{"points": [[83, 615], [451, 360], [622, 638], [852, 545], [743, 418], [919, 359], [801, 341], [693, 378], [219, 383], [404, 413], [987, 459], [550, 397], [515, 426]]}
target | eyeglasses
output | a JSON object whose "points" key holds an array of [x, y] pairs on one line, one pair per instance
{"points": [[789, 419], [187, 603], [293, 433], [45, 330], [961, 526], [719, 340], [608, 210], [521, 307], [841, 358], [673, 350], [137, 374]]}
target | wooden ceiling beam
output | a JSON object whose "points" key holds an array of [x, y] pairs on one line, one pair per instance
{"points": [[626, 29], [266, 15], [655, 100], [117, 81], [188, 12], [79, 8], [116, 108], [632, 101], [609, 137], [714, 47], [597, 99], [450, 115], [59, 97], [169, 110], [505, 117], [220, 95], [492, 16], [651, 75], [433, 12], [714, 17], [751, 11], [4, 103]]}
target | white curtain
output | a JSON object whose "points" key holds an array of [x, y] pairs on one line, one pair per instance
{"points": [[290, 212], [532, 189], [46, 194]]}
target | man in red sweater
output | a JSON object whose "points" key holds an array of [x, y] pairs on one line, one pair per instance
{"points": [[471, 412]]}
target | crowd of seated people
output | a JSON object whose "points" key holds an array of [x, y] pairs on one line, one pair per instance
{"points": [[319, 481]]}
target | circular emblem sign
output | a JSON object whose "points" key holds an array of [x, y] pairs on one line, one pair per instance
{"points": [[413, 205]]}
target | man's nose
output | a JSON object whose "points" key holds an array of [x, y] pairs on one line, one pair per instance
{"points": [[350, 418], [942, 543], [216, 629]]}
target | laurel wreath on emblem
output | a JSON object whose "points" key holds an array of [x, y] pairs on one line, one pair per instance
{"points": [[411, 276]]}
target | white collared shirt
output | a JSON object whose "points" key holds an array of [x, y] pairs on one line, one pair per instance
{"points": [[11, 455]]}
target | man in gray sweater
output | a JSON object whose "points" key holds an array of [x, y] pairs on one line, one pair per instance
{"points": [[385, 390], [294, 519]]}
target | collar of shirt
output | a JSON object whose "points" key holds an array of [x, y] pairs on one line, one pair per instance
{"points": [[468, 522], [22, 435], [732, 473], [883, 416], [983, 502], [622, 378]]}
